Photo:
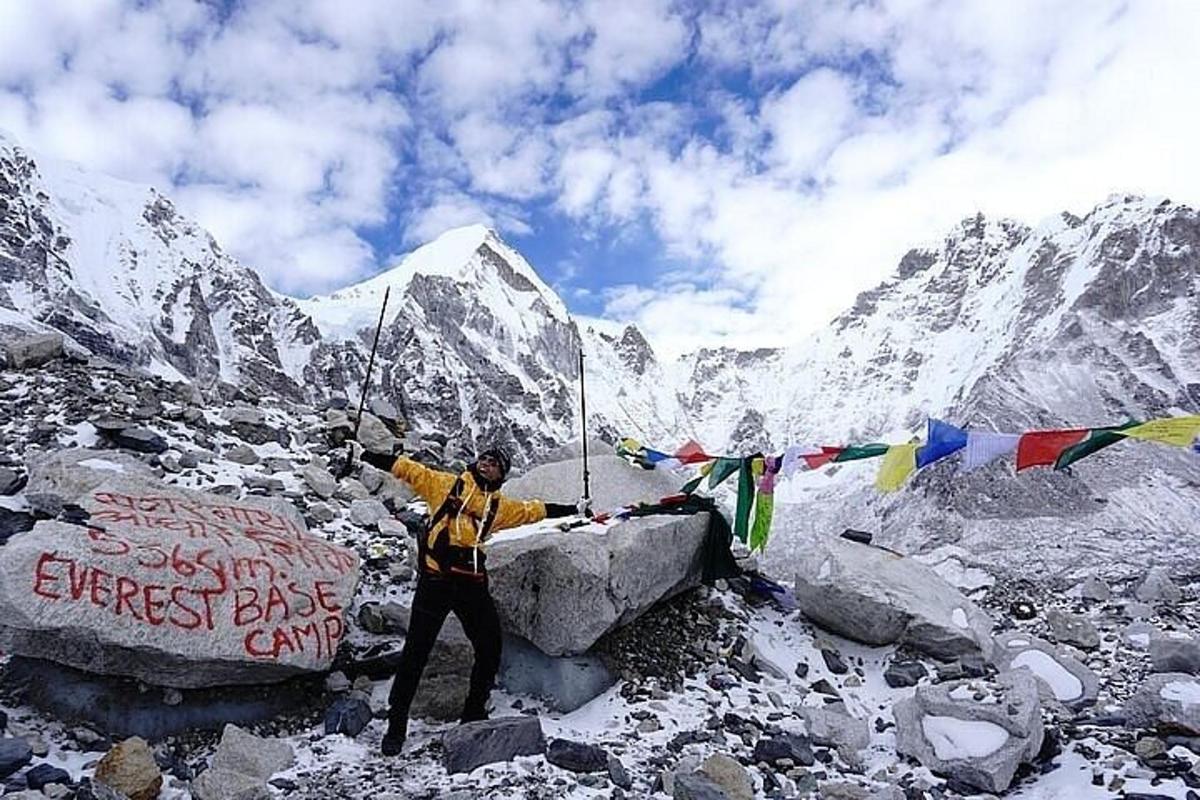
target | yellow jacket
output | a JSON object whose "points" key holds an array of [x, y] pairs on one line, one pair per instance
{"points": [[433, 486]]}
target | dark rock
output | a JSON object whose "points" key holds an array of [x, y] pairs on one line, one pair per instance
{"points": [[904, 673], [14, 754], [45, 774], [11, 481], [576, 756], [141, 440], [474, 744], [833, 660], [790, 745], [618, 774], [802, 670], [14, 522], [347, 715], [824, 687]]}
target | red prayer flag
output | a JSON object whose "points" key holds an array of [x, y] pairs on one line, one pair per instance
{"points": [[818, 460], [1042, 448], [692, 453]]}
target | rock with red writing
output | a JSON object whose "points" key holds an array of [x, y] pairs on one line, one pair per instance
{"points": [[177, 588]]}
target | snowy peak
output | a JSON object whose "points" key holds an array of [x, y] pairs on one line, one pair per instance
{"points": [[472, 256]]}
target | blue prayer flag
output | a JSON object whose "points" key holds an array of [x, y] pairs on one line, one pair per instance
{"points": [[942, 440]]}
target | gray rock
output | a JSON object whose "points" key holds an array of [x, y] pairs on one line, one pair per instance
{"points": [[1061, 677], [1072, 629], [978, 742], [875, 596], [243, 415], [591, 581], [15, 753], [565, 682], [384, 409], [142, 440], [32, 351], [1158, 588], [613, 483], [224, 784], [474, 744], [375, 436], [319, 480], [337, 683], [371, 478], [70, 474], [904, 673], [322, 513], [242, 454], [832, 726], [1170, 700], [263, 483], [242, 752], [130, 769], [348, 716], [368, 513], [728, 774], [1138, 610], [1095, 589], [11, 481], [576, 756], [696, 786], [177, 588], [1175, 652]]}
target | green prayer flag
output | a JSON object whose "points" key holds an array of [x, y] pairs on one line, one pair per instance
{"points": [[692, 485], [722, 468], [745, 500], [1098, 439], [764, 509], [856, 452]]}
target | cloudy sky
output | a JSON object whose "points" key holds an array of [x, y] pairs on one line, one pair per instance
{"points": [[720, 173]]}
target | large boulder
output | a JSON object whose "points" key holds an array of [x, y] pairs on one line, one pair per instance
{"points": [[1169, 700], [563, 591], [69, 475], [974, 731], [1062, 677], [177, 588], [878, 597]]}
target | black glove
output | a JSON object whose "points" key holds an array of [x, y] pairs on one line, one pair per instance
{"points": [[560, 510], [377, 460]]}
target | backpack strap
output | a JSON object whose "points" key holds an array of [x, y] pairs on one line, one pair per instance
{"points": [[438, 549]]}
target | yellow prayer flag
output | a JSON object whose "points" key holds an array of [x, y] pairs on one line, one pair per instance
{"points": [[899, 462], [1178, 431]]}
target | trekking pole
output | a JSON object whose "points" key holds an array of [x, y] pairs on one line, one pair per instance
{"points": [[587, 492], [362, 398]]}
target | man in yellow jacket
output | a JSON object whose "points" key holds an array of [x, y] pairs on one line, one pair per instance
{"points": [[464, 511]]}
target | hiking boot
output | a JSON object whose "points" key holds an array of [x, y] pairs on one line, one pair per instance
{"points": [[392, 744]]}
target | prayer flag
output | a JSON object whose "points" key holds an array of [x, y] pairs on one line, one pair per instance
{"points": [[745, 500], [942, 439], [1098, 439], [898, 464], [1177, 431], [856, 452], [1042, 448], [722, 468], [692, 453], [984, 448]]}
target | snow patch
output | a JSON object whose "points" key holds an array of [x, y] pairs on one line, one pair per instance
{"points": [[959, 618], [1186, 692], [102, 464], [954, 738], [1064, 685]]}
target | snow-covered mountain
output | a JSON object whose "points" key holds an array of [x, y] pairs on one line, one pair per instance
{"points": [[1084, 321]]}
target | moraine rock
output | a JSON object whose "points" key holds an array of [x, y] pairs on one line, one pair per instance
{"points": [[244, 753], [31, 351], [980, 742], [368, 513], [696, 786], [348, 716], [1072, 629], [375, 436], [141, 440], [731, 776], [1158, 588], [1095, 590], [900, 674], [11, 481], [1061, 677], [15, 753], [242, 454], [71, 474], [875, 596], [474, 744], [319, 480], [130, 768], [43, 775], [563, 591], [1167, 700], [576, 756], [177, 588], [832, 726], [1175, 652]]}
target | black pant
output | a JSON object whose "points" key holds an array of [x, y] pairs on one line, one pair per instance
{"points": [[472, 604]]}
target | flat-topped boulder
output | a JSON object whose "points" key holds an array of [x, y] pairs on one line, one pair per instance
{"points": [[878, 597], [564, 590], [1062, 678], [177, 588]]}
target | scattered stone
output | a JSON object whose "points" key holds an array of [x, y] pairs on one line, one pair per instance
{"points": [[348, 716], [130, 768], [242, 454], [15, 753], [618, 774], [242, 752], [368, 513], [975, 732], [375, 436], [1138, 610], [875, 596], [474, 744], [791, 746], [1170, 699], [32, 351], [731, 776], [696, 786], [142, 440], [1158, 588], [224, 784], [1073, 629], [1095, 590], [833, 660], [320, 481], [576, 756], [41, 776], [832, 726], [900, 674], [11, 481], [1175, 652], [1061, 677], [337, 683]]}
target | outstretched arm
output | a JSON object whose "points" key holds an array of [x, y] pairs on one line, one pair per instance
{"points": [[430, 484]]}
